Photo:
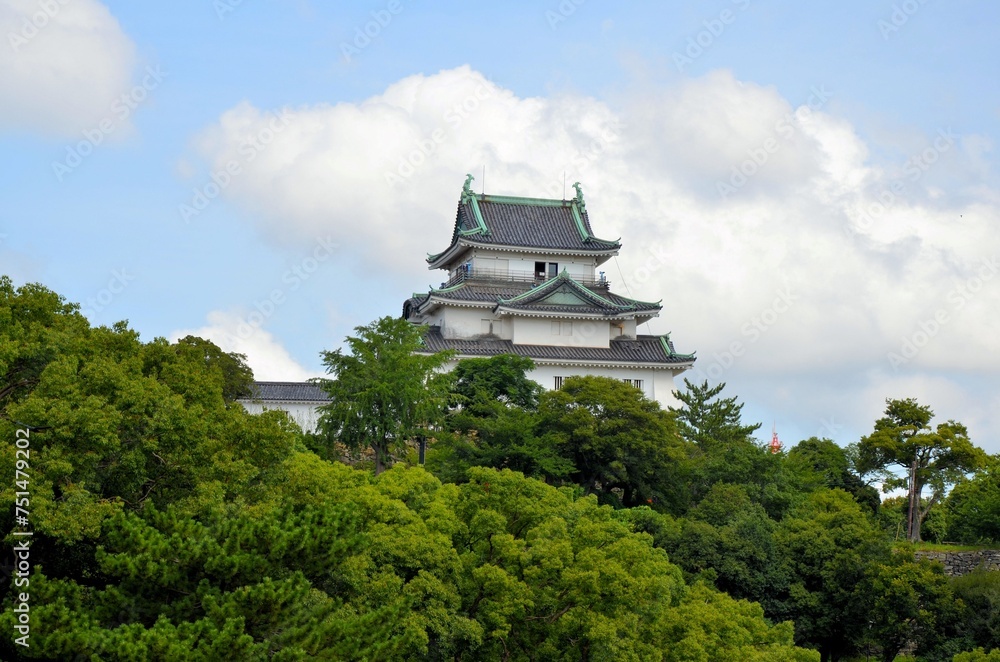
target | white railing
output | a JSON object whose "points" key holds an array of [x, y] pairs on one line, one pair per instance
{"points": [[512, 276]]}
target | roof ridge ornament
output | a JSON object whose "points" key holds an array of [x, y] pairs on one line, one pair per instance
{"points": [[467, 193], [578, 208], [579, 197]]}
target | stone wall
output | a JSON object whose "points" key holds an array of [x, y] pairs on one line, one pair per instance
{"points": [[962, 563]]}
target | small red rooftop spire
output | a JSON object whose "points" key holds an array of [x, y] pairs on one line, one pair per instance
{"points": [[775, 442]]}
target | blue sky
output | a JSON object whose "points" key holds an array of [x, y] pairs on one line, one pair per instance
{"points": [[812, 191]]}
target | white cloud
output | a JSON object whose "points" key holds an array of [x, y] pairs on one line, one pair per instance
{"points": [[269, 360], [865, 253], [62, 65]]}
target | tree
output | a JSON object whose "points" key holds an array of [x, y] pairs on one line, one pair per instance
{"points": [[507, 438], [237, 376], [936, 458], [749, 565], [709, 424], [974, 507], [493, 423], [822, 462], [621, 444], [484, 383], [724, 451], [980, 623], [828, 544], [36, 326], [382, 392], [910, 603]]}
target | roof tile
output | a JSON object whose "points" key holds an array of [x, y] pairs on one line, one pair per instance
{"points": [[642, 349], [289, 392]]}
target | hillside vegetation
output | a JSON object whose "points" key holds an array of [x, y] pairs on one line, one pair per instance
{"points": [[579, 524]]}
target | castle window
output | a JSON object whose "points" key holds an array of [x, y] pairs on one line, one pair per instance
{"points": [[558, 383], [562, 328]]}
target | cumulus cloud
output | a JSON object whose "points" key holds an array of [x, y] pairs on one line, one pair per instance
{"points": [[62, 65], [781, 249], [269, 360]]}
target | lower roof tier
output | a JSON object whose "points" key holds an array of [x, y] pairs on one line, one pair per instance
{"points": [[643, 351]]}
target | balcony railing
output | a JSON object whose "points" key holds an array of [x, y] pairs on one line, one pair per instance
{"points": [[464, 273]]}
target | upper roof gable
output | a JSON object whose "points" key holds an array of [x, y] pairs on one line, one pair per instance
{"points": [[530, 223]]}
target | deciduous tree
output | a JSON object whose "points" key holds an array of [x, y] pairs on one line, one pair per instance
{"points": [[619, 441], [974, 507], [381, 393], [935, 458]]}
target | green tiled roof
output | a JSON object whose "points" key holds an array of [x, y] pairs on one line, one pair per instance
{"points": [[654, 351], [533, 223]]}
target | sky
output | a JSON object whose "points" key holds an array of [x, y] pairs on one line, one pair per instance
{"points": [[811, 189]]}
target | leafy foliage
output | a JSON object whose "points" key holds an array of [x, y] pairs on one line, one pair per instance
{"points": [[621, 444], [822, 463], [980, 621], [706, 423], [935, 458], [482, 384], [170, 524], [382, 393], [595, 432], [973, 507], [829, 544]]}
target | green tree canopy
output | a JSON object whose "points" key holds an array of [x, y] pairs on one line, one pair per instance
{"points": [[382, 393], [935, 458], [974, 507], [910, 604], [828, 544], [822, 463], [485, 383], [708, 422], [980, 622], [237, 377], [620, 443]]}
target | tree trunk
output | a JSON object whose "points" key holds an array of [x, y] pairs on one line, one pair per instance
{"points": [[379, 465], [912, 519]]}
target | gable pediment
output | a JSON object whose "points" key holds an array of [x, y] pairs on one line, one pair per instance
{"points": [[564, 296]]}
